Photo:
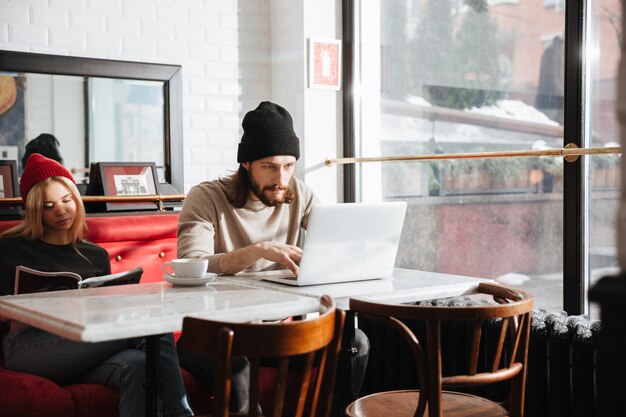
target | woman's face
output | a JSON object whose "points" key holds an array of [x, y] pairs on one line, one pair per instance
{"points": [[59, 208]]}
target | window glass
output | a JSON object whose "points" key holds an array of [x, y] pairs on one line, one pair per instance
{"points": [[448, 76], [603, 53]]}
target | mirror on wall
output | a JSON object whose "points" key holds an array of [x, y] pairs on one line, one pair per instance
{"points": [[125, 121], [99, 110]]}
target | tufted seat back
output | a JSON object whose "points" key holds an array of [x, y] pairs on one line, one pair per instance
{"points": [[132, 240]]}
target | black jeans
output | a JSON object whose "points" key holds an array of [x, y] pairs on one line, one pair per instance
{"points": [[201, 366], [345, 383], [362, 345]]}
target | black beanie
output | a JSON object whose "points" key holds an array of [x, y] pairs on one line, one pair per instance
{"points": [[267, 131]]}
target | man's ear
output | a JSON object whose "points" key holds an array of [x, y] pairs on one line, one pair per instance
{"points": [[246, 165]]}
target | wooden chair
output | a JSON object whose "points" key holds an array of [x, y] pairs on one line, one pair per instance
{"points": [[511, 306], [310, 346]]}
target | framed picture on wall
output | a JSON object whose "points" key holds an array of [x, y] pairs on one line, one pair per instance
{"points": [[325, 64], [128, 179], [9, 185]]}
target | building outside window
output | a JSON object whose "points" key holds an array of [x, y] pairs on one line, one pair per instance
{"points": [[446, 76]]}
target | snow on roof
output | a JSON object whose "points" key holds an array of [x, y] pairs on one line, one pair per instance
{"points": [[509, 109], [514, 109]]}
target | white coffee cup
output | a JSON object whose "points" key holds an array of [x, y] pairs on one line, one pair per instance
{"points": [[186, 268]]}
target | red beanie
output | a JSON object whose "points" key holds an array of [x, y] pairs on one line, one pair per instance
{"points": [[38, 168]]}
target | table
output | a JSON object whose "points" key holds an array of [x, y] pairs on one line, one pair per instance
{"points": [[405, 285], [149, 310], [119, 312]]}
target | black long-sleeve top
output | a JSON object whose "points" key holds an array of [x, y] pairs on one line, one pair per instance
{"points": [[47, 257]]}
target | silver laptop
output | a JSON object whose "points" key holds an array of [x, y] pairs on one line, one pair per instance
{"points": [[347, 242]]}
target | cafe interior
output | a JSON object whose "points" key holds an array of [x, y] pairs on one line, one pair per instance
{"points": [[497, 124]]}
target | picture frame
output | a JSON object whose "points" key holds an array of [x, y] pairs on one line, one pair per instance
{"points": [[325, 64], [128, 179], [9, 186]]}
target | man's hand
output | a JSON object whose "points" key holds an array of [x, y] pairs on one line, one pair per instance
{"points": [[242, 258], [288, 255]]}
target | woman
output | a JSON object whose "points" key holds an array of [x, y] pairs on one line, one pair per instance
{"points": [[51, 239]]}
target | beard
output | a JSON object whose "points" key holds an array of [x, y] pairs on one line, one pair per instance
{"points": [[261, 194]]}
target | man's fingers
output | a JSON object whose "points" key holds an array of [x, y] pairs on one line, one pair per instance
{"points": [[296, 256], [293, 267], [288, 255]]}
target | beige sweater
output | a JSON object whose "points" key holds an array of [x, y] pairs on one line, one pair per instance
{"points": [[210, 226]]}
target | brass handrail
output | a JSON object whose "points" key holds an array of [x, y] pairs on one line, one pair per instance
{"points": [[156, 198], [570, 153]]}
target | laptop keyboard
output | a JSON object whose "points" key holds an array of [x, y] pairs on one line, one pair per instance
{"points": [[290, 277]]}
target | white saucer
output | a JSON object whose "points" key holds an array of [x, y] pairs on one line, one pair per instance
{"points": [[189, 282]]}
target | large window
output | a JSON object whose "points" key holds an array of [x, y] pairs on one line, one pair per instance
{"points": [[463, 77]]}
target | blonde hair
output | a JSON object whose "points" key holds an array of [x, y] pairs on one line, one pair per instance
{"points": [[32, 227]]}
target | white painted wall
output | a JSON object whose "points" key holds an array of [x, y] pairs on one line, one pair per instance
{"points": [[323, 128], [234, 54], [317, 113]]}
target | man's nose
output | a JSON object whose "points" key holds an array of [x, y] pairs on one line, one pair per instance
{"points": [[284, 177]]}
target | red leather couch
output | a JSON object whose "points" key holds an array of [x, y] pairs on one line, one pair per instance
{"points": [[131, 240]]}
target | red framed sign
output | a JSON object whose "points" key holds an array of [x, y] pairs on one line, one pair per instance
{"points": [[128, 179], [8, 184], [8, 179], [325, 64]]}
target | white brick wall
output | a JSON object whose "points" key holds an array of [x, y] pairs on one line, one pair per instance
{"points": [[223, 47], [16, 13]]}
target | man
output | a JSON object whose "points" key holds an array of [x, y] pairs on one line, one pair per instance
{"points": [[252, 219]]}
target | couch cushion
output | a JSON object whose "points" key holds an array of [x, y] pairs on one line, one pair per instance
{"points": [[23, 395], [91, 400], [149, 254], [139, 227], [199, 395], [26, 395], [132, 241]]}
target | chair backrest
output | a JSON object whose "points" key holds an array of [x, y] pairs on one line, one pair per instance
{"points": [[501, 355], [307, 349]]}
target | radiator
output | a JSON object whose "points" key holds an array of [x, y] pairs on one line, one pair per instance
{"points": [[561, 361]]}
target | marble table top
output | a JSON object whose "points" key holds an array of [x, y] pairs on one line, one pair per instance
{"points": [[108, 313], [406, 285]]}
